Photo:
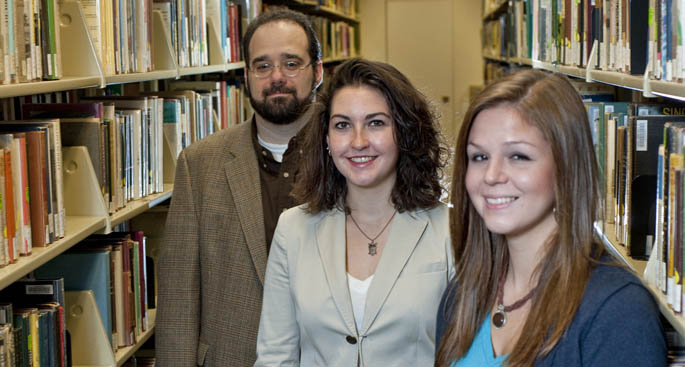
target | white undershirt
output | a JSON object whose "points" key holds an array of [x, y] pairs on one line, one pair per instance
{"points": [[358, 291], [277, 150]]}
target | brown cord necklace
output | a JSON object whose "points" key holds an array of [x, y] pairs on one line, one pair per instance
{"points": [[499, 318]]}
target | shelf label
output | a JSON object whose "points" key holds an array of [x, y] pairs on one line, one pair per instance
{"points": [[641, 136]]}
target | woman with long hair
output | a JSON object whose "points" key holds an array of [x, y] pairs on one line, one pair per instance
{"points": [[533, 286]]}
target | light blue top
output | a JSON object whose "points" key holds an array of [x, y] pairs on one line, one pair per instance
{"points": [[481, 352]]}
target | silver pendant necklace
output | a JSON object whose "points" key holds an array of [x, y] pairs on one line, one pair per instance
{"points": [[373, 245]]}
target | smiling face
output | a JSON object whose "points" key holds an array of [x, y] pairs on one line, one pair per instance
{"points": [[278, 98], [361, 138], [510, 175]]}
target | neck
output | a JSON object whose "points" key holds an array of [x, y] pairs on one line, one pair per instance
{"points": [[367, 207], [281, 133], [525, 253]]}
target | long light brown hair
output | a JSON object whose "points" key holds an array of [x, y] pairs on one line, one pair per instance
{"points": [[550, 103]]}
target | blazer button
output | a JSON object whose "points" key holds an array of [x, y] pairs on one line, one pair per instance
{"points": [[350, 339]]}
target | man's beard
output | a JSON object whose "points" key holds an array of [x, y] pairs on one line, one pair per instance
{"points": [[280, 110]]}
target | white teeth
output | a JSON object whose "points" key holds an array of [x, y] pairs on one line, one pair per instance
{"points": [[361, 159], [497, 201]]}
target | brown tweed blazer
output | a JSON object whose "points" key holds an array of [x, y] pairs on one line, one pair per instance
{"points": [[211, 271]]}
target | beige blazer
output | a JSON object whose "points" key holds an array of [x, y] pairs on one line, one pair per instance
{"points": [[213, 261], [307, 317]]}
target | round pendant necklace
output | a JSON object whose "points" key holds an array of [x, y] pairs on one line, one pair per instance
{"points": [[373, 245], [499, 318]]}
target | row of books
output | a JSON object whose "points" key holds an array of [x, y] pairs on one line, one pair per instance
{"points": [[496, 70], [33, 324], [639, 147], [124, 141], [121, 32], [676, 346], [564, 32], [188, 22], [337, 38], [115, 267], [124, 136], [29, 41], [31, 187], [347, 7]]}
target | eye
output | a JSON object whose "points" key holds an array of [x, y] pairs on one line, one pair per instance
{"points": [[520, 157], [377, 123], [341, 125], [292, 65], [262, 66], [477, 157]]}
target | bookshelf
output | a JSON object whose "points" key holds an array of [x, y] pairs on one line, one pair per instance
{"points": [[78, 228], [492, 9], [619, 251], [508, 41], [84, 205], [315, 7], [83, 68], [123, 354], [336, 24]]}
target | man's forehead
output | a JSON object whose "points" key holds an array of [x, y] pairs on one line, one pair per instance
{"points": [[275, 40]]}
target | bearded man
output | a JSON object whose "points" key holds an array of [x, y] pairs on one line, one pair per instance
{"points": [[229, 190]]}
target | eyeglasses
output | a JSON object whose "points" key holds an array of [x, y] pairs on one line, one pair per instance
{"points": [[289, 68]]}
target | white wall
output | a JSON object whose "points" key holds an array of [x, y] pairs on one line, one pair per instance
{"points": [[467, 61]]}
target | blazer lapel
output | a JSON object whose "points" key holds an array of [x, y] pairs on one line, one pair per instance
{"points": [[242, 174], [330, 240], [405, 233]]}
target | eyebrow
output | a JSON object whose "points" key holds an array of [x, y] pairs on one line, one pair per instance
{"points": [[369, 116], [515, 142], [283, 56]]}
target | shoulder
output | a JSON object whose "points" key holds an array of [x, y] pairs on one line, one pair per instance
{"points": [[613, 296], [298, 217], [297, 214], [611, 281], [437, 215], [220, 143]]}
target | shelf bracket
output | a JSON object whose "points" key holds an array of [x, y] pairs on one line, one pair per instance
{"points": [[78, 51], [646, 83], [82, 195], [164, 56], [591, 62]]}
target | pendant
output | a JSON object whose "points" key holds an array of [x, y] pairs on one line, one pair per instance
{"points": [[372, 248], [499, 319]]}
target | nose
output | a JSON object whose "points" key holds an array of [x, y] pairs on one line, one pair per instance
{"points": [[495, 173], [360, 139], [277, 74]]}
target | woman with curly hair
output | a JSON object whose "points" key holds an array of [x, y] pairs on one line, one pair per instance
{"points": [[355, 274]]}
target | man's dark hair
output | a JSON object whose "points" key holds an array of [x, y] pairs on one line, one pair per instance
{"points": [[283, 14], [422, 152]]}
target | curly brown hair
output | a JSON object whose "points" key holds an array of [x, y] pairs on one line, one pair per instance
{"points": [[422, 152]]}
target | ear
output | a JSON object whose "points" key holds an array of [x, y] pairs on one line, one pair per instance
{"points": [[318, 74], [247, 80]]}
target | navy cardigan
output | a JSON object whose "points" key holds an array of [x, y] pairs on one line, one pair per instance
{"points": [[617, 324]]}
